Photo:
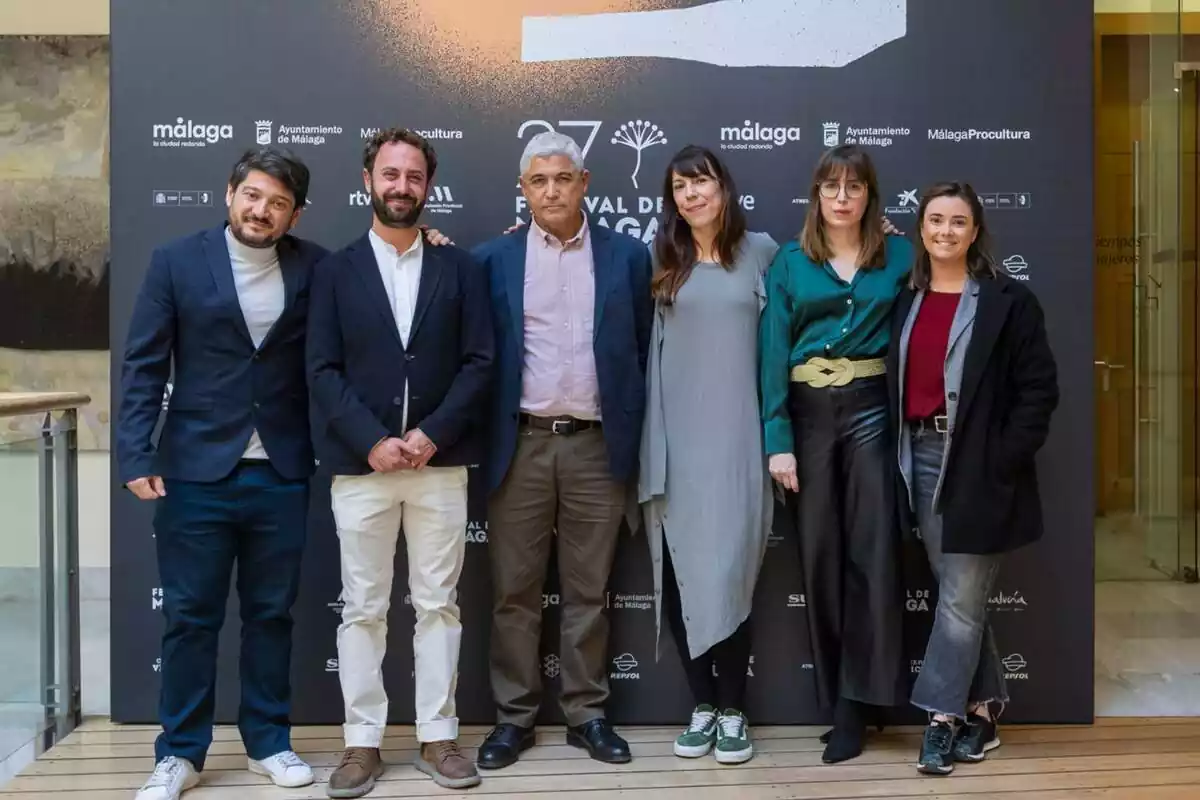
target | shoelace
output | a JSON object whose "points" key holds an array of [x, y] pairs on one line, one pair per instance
{"points": [[447, 749], [940, 736], [731, 726], [289, 759], [700, 721], [356, 756], [164, 773]]}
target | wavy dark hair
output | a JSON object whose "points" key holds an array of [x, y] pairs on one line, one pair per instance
{"points": [[674, 245], [849, 160], [980, 263]]}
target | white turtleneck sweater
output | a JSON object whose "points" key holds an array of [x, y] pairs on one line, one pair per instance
{"points": [[259, 283]]}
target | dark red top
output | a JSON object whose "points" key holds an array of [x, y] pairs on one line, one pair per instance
{"points": [[925, 387]]}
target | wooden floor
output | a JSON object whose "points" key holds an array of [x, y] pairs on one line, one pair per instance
{"points": [[1138, 759]]}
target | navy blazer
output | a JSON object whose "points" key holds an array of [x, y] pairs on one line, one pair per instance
{"points": [[188, 311], [620, 343], [358, 365]]}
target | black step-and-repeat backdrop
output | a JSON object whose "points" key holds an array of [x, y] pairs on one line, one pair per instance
{"points": [[996, 92]]}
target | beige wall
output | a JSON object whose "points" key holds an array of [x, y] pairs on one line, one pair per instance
{"points": [[19, 501], [1145, 6], [53, 17]]}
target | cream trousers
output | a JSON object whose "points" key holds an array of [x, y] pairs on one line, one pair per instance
{"points": [[369, 511]]}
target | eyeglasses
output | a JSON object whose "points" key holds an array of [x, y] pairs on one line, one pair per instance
{"points": [[854, 189]]}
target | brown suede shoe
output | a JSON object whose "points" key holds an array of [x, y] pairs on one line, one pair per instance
{"points": [[356, 775], [446, 764]]}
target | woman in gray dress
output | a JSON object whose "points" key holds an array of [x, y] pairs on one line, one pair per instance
{"points": [[704, 486]]}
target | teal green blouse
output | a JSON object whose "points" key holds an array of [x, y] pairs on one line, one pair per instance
{"points": [[811, 312]]}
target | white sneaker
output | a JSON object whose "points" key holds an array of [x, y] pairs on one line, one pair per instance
{"points": [[171, 777], [285, 770]]}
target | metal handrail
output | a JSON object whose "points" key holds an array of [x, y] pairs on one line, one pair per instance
{"points": [[58, 523], [14, 404]]}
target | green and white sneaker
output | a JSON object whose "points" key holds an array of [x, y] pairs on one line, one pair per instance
{"points": [[733, 738], [698, 740]]}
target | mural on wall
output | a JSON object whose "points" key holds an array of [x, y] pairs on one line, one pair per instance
{"points": [[54, 223]]}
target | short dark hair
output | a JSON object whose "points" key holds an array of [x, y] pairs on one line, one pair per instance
{"points": [[280, 164], [674, 245], [399, 136], [980, 263]]}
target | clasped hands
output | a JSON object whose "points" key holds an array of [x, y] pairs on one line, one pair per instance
{"points": [[413, 451]]}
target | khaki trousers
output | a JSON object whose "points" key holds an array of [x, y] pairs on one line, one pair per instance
{"points": [[556, 485]]}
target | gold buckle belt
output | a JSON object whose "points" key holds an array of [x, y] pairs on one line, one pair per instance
{"points": [[822, 372]]}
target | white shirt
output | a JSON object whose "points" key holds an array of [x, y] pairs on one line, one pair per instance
{"points": [[259, 283], [401, 274]]}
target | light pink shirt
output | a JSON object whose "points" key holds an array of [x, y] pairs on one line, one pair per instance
{"points": [[559, 376]]}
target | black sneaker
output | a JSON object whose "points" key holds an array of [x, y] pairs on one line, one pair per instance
{"points": [[937, 748], [975, 740]]}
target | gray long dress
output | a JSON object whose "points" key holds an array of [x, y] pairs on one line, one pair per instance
{"points": [[704, 485]]}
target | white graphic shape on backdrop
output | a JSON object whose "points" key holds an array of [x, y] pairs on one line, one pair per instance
{"points": [[727, 33]]}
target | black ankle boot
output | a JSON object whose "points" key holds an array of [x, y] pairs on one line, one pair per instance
{"points": [[874, 713], [849, 732]]}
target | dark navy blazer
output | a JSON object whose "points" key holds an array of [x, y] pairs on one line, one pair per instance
{"points": [[187, 311], [358, 365], [621, 341]]}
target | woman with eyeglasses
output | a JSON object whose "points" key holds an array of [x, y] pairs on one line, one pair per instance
{"points": [[824, 333], [703, 483], [972, 385]]}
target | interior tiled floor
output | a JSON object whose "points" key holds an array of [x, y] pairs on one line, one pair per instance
{"points": [[1147, 649]]}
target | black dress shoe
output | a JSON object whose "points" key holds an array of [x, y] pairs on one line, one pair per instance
{"points": [[849, 733], [504, 745], [600, 740]]}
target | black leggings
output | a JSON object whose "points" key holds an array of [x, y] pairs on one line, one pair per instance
{"points": [[730, 659]]}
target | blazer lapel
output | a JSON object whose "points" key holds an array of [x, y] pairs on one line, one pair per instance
{"points": [[514, 285], [604, 274], [431, 274], [362, 256], [289, 265], [992, 310], [910, 306], [216, 252], [964, 315]]}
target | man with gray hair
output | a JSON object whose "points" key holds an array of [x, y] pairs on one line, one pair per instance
{"points": [[572, 314]]}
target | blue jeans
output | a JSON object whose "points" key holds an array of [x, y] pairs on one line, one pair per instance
{"points": [[258, 519], [962, 666]]}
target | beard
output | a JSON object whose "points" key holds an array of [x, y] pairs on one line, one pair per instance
{"points": [[393, 218], [240, 229]]}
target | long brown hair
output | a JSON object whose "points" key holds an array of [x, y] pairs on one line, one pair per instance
{"points": [[674, 245], [980, 264], [853, 162]]}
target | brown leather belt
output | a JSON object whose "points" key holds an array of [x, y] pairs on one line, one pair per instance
{"points": [[562, 426]]}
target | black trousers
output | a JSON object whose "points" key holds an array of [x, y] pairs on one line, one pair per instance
{"points": [[728, 659], [849, 540]]}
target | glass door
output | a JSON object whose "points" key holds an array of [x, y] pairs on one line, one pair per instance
{"points": [[1146, 294], [1189, 224]]}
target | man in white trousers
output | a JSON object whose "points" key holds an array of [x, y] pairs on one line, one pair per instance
{"points": [[399, 358]]}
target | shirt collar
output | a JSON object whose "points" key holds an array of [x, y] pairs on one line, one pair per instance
{"points": [[550, 239], [416, 248]]}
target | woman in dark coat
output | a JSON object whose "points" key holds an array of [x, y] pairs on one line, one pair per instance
{"points": [[972, 385]]}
